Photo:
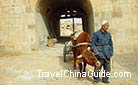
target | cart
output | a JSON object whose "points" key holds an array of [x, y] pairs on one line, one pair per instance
{"points": [[67, 49]]}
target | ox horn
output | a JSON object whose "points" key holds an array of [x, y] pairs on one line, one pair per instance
{"points": [[80, 56], [88, 48]]}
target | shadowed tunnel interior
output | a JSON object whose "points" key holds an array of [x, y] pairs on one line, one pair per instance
{"points": [[51, 11]]}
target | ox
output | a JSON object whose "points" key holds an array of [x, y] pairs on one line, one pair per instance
{"points": [[83, 54]]}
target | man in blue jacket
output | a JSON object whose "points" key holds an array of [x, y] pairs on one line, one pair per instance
{"points": [[103, 49]]}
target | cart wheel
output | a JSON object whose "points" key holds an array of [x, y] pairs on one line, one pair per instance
{"points": [[65, 51]]}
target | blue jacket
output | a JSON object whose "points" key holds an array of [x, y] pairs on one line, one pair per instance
{"points": [[102, 43]]}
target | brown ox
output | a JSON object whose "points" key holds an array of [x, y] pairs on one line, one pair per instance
{"points": [[83, 55]]}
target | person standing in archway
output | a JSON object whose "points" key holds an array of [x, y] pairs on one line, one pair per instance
{"points": [[103, 49]]}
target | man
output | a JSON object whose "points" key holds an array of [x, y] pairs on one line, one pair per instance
{"points": [[103, 49]]}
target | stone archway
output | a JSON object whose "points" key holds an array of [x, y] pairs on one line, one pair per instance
{"points": [[48, 16]]}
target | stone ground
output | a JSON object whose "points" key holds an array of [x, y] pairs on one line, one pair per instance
{"points": [[22, 69]]}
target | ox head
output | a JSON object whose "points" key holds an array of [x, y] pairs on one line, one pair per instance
{"points": [[72, 36], [89, 57], [75, 35]]}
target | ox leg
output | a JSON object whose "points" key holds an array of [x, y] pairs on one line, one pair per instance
{"points": [[84, 69], [74, 65], [81, 69]]}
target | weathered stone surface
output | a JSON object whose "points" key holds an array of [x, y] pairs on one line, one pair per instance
{"points": [[23, 28]]}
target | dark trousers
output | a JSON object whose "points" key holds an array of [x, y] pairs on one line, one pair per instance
{"points": [[107, 68]]}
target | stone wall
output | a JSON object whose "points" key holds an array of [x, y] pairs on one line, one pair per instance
{"points": [[20, 29], [122, 16], [17, 25]]}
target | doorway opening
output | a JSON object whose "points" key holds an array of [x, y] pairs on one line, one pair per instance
{"points": [[70, 25], [51, 14]]}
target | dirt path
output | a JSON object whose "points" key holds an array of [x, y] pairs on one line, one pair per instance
{"points": [[23, 69]]}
